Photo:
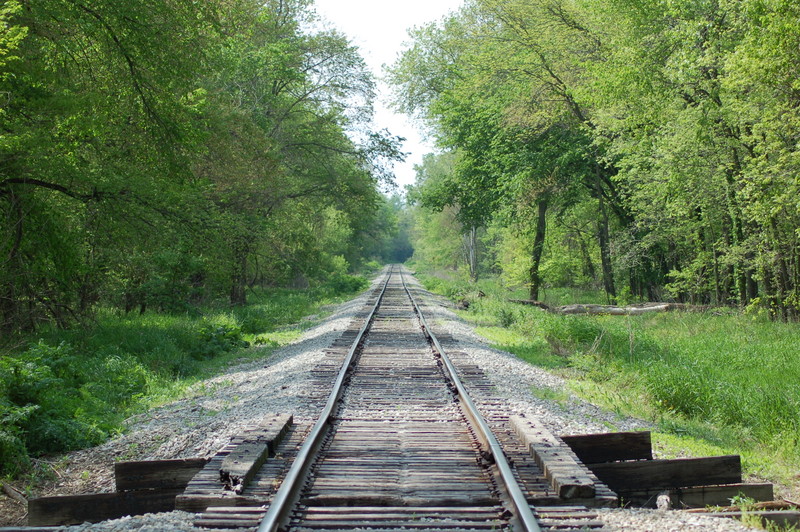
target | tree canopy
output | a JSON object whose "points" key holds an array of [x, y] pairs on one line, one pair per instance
{"points": [[658, 140], [159, 152]]}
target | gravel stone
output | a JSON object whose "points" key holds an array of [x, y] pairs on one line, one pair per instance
{"points": [[666, 521]]}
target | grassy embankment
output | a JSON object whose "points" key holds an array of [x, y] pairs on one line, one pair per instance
{"points": [[717, 382], [68, 389]]}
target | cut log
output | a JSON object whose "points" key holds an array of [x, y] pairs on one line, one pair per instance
{"points": [[243, 462], [161, 474], [76, 509], [566, 476], [610, 447], [612, 310], [668, 474]]}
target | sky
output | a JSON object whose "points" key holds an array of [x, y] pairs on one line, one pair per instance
{"points": [[379, 28]]}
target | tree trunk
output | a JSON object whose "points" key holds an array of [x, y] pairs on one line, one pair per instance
{"points": [[538, 247], [781, 271], [717, 285], [470, 243], [605, 252], [239, 275], [10, 318], [588, 265], [742, 271]]}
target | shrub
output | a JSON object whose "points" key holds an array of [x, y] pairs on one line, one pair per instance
{"points": [[43, 408], [219, 334], [117, 378], [13, 452], [343, 283], [372, 266], [506, 316], [265, 341]]}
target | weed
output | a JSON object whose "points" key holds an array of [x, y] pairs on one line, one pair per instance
{"points": [[549, 394], [217, 335], [506, 316]]}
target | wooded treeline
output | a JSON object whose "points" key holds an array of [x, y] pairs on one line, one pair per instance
{"points": [[157, 153], [650, 148]]}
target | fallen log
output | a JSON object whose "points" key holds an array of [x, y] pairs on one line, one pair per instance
{"points": [[13, 493], [613, 310]]}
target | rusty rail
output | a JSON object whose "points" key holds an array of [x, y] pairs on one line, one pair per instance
{"points": [[510, 484], [287, 495]]}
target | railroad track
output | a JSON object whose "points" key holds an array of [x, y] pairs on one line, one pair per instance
{"points": [[399, 444]]}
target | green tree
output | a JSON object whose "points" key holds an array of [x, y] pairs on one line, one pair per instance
{"points": [[95, 123], [125, 161]]}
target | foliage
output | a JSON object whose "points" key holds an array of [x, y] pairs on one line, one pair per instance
{"points": [[218, 334], [57, 400], [344, 284]]}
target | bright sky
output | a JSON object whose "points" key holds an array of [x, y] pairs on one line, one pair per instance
{"points": [[379, 29]]}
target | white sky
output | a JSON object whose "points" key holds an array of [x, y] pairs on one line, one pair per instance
{"points": [[379, 29]]}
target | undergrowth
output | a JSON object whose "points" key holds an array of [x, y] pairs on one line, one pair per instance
{"points": [[69, 389], [718, 378]]}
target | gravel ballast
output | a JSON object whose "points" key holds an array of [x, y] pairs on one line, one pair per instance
{"points": [[223, 406]]}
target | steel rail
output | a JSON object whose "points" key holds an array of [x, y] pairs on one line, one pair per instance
{"points": [[518, 499], [287, 495]]}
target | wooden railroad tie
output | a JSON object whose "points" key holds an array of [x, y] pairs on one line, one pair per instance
{"points": [[624, 461], [153, 486], [242, 463], [568, 479], [142, 487], [227, 475]]}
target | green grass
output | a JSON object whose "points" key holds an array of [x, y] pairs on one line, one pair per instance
{"points": [[712, 382], [534, 350], [69, 389]]}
